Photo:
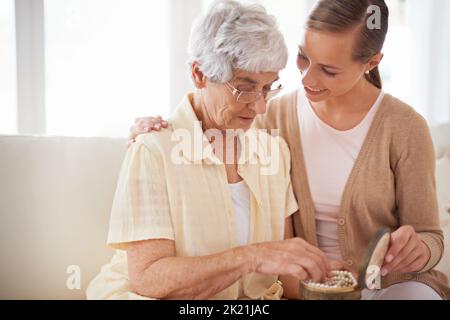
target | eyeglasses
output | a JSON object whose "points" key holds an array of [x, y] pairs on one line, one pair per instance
{"points": [[246, 97]]}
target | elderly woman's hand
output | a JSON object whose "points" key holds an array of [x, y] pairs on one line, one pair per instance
{"points": [[292, 257], [144, 125]]}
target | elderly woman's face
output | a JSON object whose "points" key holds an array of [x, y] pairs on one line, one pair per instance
{"points": [[225, 111]]}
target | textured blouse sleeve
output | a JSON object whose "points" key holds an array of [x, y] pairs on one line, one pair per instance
{"points": [[416, 188], [291, 202], [141, 209]]}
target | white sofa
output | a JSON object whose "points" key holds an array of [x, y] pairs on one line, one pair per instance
{"points": [[55, 198]]}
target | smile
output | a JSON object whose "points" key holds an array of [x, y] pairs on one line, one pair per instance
{"points": [[314, 91]]}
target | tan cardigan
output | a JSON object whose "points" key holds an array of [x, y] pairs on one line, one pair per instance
{"points": [[392, 184]]}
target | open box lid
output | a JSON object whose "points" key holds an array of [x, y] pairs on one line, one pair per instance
{"points": [[370, 272]]}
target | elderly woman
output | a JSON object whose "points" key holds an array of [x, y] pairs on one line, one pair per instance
{"points": [[194, 224]]}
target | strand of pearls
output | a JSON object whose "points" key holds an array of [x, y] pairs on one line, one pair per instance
{"points": [[338, 279]]}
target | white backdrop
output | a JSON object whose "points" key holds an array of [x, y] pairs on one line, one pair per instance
{"points": [[109, 61]]}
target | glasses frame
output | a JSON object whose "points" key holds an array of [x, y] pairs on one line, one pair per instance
{"points": [[270, 94]]}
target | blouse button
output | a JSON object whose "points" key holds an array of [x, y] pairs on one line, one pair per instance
{"points": [[341, 222], [350, 262]]}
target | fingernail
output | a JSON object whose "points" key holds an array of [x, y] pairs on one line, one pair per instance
{"points": [[384, 272], [389, 258], [145, 129], [158, 126]]}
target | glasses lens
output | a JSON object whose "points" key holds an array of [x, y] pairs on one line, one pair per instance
{"points": [[248, 97]]}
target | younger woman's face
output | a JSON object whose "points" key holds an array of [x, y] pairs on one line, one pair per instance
{"points": [[326, 61]]}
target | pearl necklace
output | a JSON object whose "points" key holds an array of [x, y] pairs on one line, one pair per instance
{"points": [[338, 279]]}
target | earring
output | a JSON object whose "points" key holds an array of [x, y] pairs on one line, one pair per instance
{"points": [[368, 72]]}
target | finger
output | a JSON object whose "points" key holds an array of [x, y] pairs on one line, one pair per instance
{"points": [[290, 265], [155, 120], [142, 129], [314, 250], [321, 260], [138, 128], [295, 252], [320, 263], [149, 126], [314, 271], [415, 266], [160, 121], [406, 262], [421, 258], [155, 124], [307, 250], [325, 262], [147, 121], [296, 271], [402, 255], [152, 122], [141, 121], [398, 240]]}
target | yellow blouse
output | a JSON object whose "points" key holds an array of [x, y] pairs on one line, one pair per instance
{"points": [[166, 190]]}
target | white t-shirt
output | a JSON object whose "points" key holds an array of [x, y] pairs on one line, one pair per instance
{"points": [[329, 157], [240, 195]]}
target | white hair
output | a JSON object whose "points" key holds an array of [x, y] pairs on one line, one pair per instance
{"points": [[232, 35]]}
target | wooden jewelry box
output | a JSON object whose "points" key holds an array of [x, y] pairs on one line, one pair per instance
{"points": [[343, 285]]}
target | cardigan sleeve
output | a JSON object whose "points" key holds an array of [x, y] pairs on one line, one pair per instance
{"points": [[416, 187]]}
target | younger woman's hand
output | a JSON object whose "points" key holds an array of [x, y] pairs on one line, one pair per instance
{"points": [[145, 125], [407, 252]]}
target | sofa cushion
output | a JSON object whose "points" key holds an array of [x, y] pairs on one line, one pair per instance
{"points": [[441, 140], [55, 201], [443, 189]]}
